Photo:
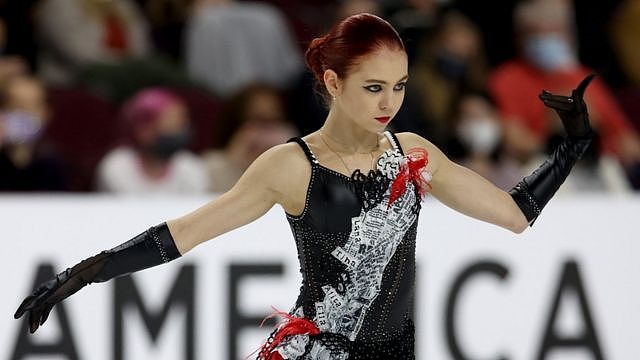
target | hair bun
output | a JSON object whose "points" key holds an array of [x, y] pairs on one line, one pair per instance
{"points": [[315, 57]]}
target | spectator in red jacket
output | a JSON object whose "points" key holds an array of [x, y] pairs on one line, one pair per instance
{"points": [[548, 61]]}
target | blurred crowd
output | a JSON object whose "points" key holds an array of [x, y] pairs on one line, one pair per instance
{"points": [[180, 96]]}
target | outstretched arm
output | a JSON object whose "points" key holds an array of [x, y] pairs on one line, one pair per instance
{"points": [[254, 194], [259, 188], [465, 191], [469, 193]]}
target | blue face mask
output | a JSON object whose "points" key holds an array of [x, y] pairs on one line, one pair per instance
{"points": [[21, 127], [549, 52]]}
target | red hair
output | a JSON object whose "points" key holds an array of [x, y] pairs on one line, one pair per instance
{"points": [[350, 39]]}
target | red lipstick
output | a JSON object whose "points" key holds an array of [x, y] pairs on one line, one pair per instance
{"points": [[383, 119]]}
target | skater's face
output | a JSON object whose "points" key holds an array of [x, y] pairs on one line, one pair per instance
{"points": [[373, 90]]}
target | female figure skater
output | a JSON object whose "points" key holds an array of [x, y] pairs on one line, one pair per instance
{"points": [[351, 193]]}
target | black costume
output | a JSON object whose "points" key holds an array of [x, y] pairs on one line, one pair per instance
{"points": [[357, 259]]}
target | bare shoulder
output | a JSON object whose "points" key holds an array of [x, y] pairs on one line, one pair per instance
{"points": [[410, 140], [282, 170], [281, 164], [283, 156]]}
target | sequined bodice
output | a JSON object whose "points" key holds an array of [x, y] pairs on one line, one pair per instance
{"points": [[357, 259]]}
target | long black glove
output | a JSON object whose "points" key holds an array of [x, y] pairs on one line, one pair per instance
{"points": [[153, 247], [534, 191]]}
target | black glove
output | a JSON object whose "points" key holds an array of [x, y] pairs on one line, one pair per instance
{"points": [[572, 110], [152, 247], [534, 191]]}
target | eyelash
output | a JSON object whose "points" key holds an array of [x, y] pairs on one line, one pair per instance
{"points": [[377, 88]]}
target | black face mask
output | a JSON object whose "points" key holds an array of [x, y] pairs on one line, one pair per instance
{"points": [[167, 145], [450, 66]]}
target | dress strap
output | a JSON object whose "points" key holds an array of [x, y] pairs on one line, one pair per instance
{"points": [[307, 151], [394, 141]]}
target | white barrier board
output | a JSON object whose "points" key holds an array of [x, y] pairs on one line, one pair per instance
{"points": [[568, 288]]}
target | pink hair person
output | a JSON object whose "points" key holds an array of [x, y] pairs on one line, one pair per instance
{"points": [[147, 105]]}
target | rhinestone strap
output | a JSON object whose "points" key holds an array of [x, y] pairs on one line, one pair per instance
{"points": [[156, 239], [532, 201]]}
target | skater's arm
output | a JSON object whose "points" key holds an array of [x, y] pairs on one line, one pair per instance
{"points": [[465, 191], [469, 193], [257, 190], [251, 197]]}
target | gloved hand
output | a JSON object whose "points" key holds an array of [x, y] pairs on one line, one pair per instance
{"points": [[153, 247], [572, 110], [535, 190], [61, 286]]}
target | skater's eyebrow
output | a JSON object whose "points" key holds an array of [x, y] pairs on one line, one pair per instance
{"points": [[383, 81]]}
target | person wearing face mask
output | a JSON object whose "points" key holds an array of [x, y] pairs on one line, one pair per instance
{"points": [[550, 52], [27, 161], [548, 59], [446, 63], [478, 139], [155, 160]]}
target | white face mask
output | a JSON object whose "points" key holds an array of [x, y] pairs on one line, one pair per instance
{"points": [[480, 135], [549, 52]]}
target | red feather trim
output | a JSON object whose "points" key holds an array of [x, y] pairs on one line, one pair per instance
{"points": [[292, 325], [412, 170]]}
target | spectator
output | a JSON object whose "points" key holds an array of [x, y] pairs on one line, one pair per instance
{"points": [[230, 45], [77, 33], [254, 121], [548, 61], [167, 19], [27, 162], [156, 159], [415, 20], [478, 131], [447, 64]]}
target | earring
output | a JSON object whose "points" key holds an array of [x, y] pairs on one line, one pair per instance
{"points": [[334, 98]]}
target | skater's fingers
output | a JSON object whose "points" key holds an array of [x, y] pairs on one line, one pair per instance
{"points": [[562, 106], [34, 320], [26, 304], [45, 313], [549, 96]]}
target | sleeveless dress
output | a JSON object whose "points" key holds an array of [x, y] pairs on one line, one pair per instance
{"points": [[357, 259]]}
